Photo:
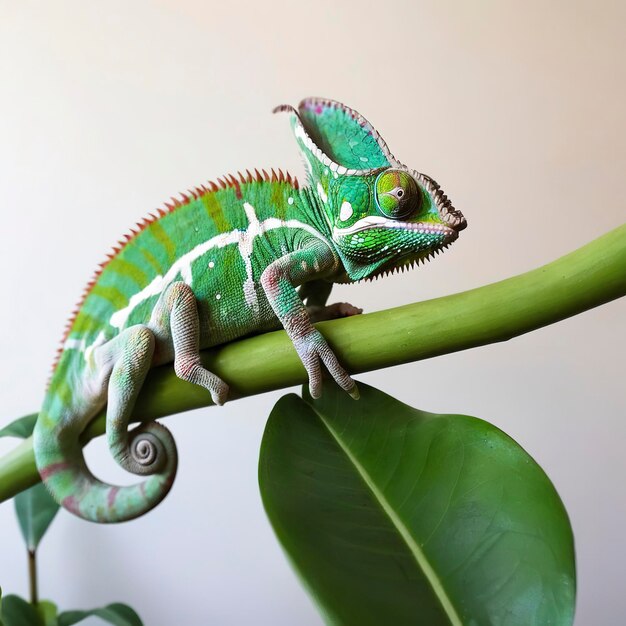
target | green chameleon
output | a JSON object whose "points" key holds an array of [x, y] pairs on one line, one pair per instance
{"points": [[222, 262]]}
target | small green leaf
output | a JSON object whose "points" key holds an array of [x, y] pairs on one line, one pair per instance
{"points": [[35, 511], [22, 427], [396, 516], [18, 612], [1, 622], [117, 613], [47, 612]]}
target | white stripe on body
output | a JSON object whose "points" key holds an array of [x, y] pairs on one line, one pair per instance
{"points": [[245, 243]]}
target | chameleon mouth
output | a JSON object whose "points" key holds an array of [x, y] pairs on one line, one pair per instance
{"points": [[422, 228], [451, 216]]}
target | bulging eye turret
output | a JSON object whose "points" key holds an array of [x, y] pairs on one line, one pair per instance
{"points": [[397, 194]]}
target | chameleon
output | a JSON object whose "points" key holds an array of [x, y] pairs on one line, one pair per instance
{"points": [[245, 255]]}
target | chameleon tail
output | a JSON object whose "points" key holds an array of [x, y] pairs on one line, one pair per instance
{"points": [[61, 464]]}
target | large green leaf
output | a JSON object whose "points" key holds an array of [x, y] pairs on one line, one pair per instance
{"points": [[396, 516], [35, 509], [17, 612], [22, 427], [117, 613]]}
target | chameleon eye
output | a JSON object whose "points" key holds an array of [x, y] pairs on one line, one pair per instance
{"points": [[397, 194]]}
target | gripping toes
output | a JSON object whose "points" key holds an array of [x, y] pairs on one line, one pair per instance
{"points": [[189, 368], [332, 311], [177, 314], [313, 348]]}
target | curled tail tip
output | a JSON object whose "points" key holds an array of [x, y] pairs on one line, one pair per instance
{"points": [[62, 468]]}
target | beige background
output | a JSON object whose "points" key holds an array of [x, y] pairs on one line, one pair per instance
{"points": [[516, 108]]}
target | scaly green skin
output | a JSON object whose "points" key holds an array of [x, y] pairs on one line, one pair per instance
{"points": [[221, 263]]}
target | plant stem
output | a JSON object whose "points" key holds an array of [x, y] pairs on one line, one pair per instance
{"points": [[581, 280], [32, 576]]}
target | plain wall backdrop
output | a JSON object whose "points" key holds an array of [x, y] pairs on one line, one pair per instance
{"points": [[516, 108]]}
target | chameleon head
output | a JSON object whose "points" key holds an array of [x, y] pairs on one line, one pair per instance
{"points": [[404, 219], [382, 215]]}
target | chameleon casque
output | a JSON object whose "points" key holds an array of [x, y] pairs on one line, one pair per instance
{"points": [[222, 262]]}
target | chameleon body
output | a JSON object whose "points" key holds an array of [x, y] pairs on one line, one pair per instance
{"points": [[222, 262]]}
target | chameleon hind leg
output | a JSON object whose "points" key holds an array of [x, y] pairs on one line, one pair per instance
{"points": [[130, 354], [176, 316], [122, 363]]}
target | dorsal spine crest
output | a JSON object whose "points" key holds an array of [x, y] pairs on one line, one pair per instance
{"points": [[229, 181]]}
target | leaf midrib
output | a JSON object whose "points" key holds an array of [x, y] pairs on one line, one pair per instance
{"points": [[418, 554]]}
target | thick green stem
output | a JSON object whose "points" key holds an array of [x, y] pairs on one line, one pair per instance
{"points": [[581, 280]]}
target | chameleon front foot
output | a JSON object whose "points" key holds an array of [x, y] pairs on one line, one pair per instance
{"points": [[313, 350], [332, 311]]}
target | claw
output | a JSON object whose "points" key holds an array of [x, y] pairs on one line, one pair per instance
{"points": [[354, 392], [316, 392], [220, 395]]}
